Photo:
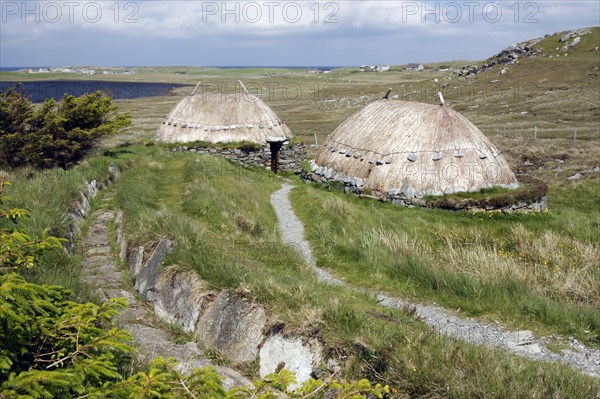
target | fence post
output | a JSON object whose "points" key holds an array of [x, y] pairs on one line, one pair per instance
{"points": [[535, 132], [574, 134]]}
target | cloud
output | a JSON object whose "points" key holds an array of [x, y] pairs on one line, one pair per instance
{"points": [[264, 31]]}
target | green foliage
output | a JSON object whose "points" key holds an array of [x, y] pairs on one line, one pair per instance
{"points": [[17, 249], [54, 134], [162, 380], [53, 347], [530, 191]]}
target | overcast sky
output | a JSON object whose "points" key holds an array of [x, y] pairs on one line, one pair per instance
{"points": [[273, 33]]}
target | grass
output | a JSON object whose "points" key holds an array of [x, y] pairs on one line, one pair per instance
{"points": [[48, 196], [524, 270], [529, 191], [223, 227]]}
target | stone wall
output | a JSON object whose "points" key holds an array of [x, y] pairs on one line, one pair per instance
{"points": [[81, 207], [405, 196], [237, 327], [290, 157]]}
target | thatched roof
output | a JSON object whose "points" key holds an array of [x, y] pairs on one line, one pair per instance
{"points": [[222, 118], [414, 148]]}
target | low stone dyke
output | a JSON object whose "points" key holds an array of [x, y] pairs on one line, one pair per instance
{"points": [[290, 157]]}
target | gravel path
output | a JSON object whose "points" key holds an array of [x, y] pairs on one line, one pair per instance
{"points": [[470, 330]]}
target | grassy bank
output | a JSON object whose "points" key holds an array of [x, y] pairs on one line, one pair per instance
{"points": [[223, 226], [528, 271], [48, 196]]}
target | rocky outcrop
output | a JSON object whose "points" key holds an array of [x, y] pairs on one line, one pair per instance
{"points": [[515, 52]]}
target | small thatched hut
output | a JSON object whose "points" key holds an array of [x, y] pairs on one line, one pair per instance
{"points": [[222, 118], [411, 149]]}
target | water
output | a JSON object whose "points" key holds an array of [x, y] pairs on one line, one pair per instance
{"points": [[38, 91]]}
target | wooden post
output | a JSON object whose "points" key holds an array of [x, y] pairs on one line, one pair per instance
{"points": [[575, 134], [535, 132], [275, 147], [194, 91], [316, 142]]}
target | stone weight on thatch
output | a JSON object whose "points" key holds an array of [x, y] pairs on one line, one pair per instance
{"points": [[414, 148]]}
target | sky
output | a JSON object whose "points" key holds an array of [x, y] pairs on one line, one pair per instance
{"points": [[274, 33]]}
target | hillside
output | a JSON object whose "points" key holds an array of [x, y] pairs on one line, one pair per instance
{"points": [[537, 274]]}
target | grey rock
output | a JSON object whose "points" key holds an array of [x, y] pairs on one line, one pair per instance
{"points": [[91, 189], [233, 326], [295, 355], [358, 182], [114, 170], [154, 342], [564, 37], [121, 243], [576, 176], [135, 259], [575, 42], [148, 276], [179, 298]]}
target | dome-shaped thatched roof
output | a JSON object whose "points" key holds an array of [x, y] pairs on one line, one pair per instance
{"points": [[222, 118], [412, 148]]}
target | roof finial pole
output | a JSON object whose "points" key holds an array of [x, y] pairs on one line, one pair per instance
{"points": [[193, 91], [388, 93], [243, 87], [441, 98]]}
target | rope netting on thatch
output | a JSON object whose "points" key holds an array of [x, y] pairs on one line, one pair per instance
{"points": [[222, 118], [433, 149]]}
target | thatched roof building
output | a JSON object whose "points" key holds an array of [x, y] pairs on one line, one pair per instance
{"points": [[412, 149], [222, 118]]}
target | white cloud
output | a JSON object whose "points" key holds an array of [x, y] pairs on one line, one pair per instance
{"points": [[216, 25]]}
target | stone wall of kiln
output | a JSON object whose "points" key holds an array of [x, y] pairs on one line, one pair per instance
{"points": [[405, 196], [290, 157]]}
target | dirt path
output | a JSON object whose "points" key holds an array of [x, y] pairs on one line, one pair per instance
{"points": [[102, 272], [470, 330]]}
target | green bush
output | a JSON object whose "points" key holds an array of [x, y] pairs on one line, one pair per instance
{"points": [[55, 133]]}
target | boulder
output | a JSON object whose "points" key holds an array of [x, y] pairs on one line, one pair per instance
{"points": [[233, 326], [180, 297], [564, 37], [135, 260], [149, 274], [575, 42], [294, 354]]}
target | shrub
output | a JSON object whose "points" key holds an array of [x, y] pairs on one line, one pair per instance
{"points": [[55, 133]]}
